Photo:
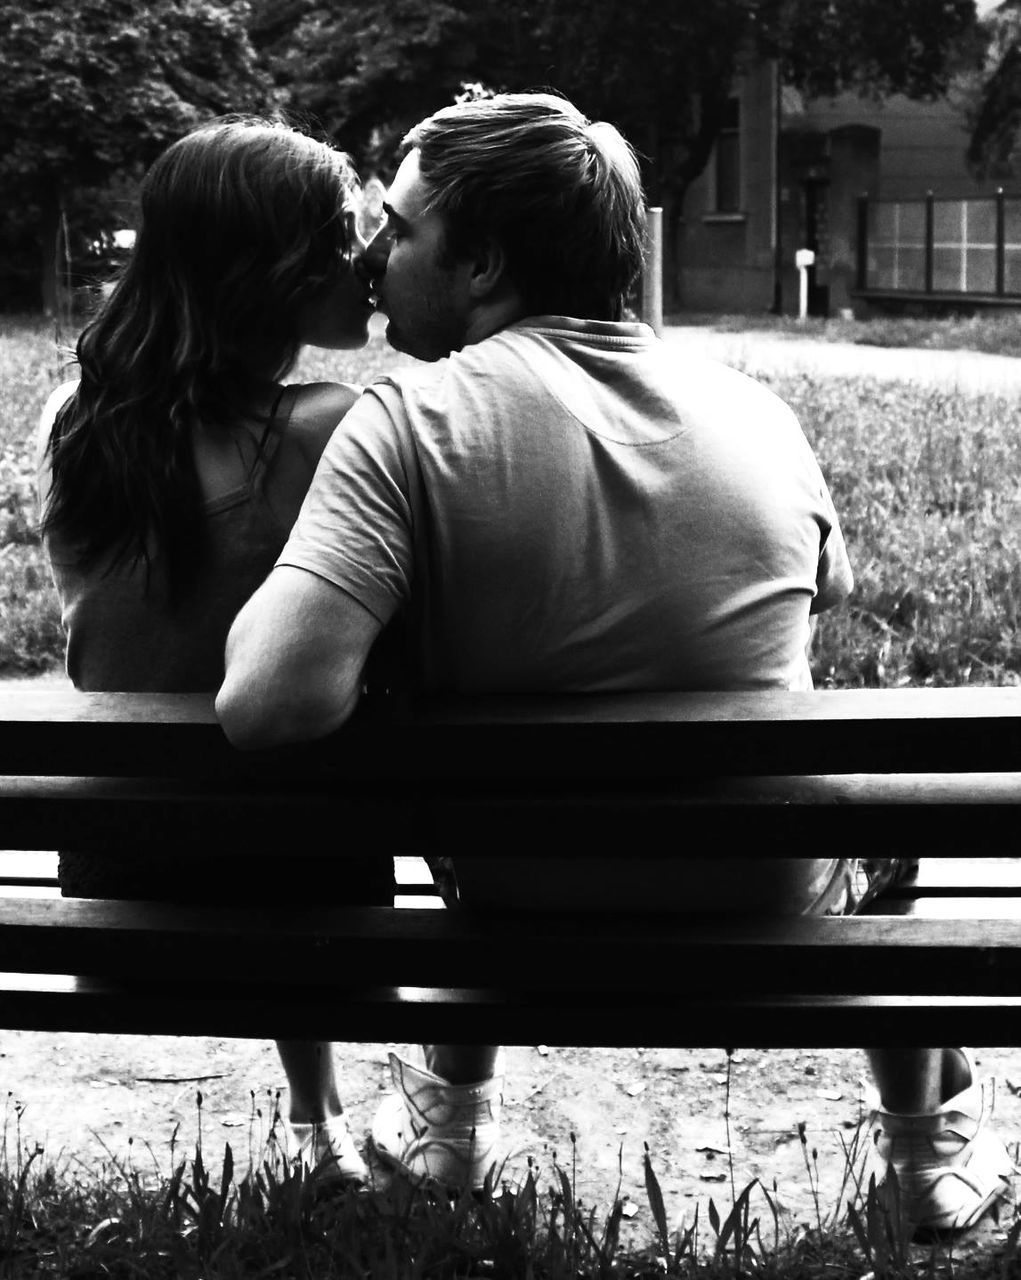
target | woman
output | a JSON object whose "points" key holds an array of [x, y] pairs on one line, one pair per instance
{"points": [[171, 472]]}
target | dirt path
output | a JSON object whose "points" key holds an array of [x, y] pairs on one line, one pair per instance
{"points": [[757, 351], [91, 1099]]}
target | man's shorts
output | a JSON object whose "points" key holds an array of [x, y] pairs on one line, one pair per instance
{"points": [[855, 882]]}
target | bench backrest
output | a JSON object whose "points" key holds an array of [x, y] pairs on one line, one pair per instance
{"points": [[50, 731], [758, 766]]}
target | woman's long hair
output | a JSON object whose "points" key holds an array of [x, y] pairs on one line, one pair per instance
{"points": [[242, 225]]}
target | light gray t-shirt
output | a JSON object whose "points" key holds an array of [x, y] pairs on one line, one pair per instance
{"points": [[576, 506]]}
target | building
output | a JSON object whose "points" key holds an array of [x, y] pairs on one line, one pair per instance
{"points": [[789, 174]]}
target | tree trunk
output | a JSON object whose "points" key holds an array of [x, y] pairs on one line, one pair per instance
{"points": [[50, 256], [671, 230]]}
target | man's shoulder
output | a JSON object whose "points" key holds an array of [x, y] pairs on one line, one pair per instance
{"points": [[540, 354], [508, 343], [410, 376], [426, 382]]}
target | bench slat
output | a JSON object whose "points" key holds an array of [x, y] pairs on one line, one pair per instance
{"points": [[587, 736], [44, 704], [765, 816], [314, 947], [400, 1015]]}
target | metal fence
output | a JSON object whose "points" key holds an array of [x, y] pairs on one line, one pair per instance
{"points": [[941, 247]]}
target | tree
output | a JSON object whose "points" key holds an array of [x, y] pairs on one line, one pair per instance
{"points": [[992, 96], [661, 70], [96, 89], [363, 72]]}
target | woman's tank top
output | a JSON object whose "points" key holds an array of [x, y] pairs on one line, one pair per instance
{"points": [[123, 633]]}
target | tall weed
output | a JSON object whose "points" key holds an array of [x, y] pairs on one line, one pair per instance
{"points": [[194, 1219]]}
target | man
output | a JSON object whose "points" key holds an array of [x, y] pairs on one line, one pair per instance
{"points": [[560, 502]]}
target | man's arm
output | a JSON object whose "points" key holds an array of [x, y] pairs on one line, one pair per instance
{"points": [[295, 655]]}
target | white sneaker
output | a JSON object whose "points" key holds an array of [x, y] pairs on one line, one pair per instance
{"points": [[950, 1168], [329, 1149], [430, 1130]]}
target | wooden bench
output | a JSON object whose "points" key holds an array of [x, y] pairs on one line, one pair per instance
{"points": [[934, 773]]}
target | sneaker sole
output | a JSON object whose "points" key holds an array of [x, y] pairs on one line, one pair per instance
{"points": [[424, 1180], [926, 1234]]}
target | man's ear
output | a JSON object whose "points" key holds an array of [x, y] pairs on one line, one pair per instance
{"points": [[489, 270]]}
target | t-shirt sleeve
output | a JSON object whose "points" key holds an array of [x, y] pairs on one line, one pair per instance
{"points": [[835, 579], [355, 527]]}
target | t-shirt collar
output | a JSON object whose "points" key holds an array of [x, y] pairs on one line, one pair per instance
{"points": [[615, 330]]}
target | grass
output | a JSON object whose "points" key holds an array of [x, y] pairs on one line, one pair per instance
{"points": [[192, 1219], [30, 636], [927, 484]]}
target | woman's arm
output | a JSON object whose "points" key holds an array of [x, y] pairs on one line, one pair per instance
{"points": [[56, 400]]}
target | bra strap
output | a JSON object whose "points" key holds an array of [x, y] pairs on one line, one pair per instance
{"points": [[267, 444], [274, 408]]}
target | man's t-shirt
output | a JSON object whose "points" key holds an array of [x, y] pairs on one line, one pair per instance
{"points": [[576, 506]]}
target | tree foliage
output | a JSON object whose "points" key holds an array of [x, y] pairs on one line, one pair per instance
{"points": [[993, 97], [361, 72], [96, 88], [870, 46], [659, 69]]}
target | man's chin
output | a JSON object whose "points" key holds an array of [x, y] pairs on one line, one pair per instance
{"points": [[393, 335], [401, 343]]}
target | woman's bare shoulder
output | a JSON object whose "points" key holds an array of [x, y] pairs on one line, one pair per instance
{"points": [[57, 398], [319, 407]]}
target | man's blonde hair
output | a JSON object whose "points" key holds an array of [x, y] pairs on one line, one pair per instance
{"points": [[561, 194]]}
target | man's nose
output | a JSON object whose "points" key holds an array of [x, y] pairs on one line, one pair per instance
{"points": [[374, 254]]}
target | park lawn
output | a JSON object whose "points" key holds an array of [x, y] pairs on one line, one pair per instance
{"points": [[927, 483]]}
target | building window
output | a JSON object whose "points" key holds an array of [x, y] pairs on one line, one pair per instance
{"points": [[943, 246], [728, 159]]}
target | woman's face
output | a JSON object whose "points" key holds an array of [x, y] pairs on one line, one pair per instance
{"points": [[338, 317]]}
